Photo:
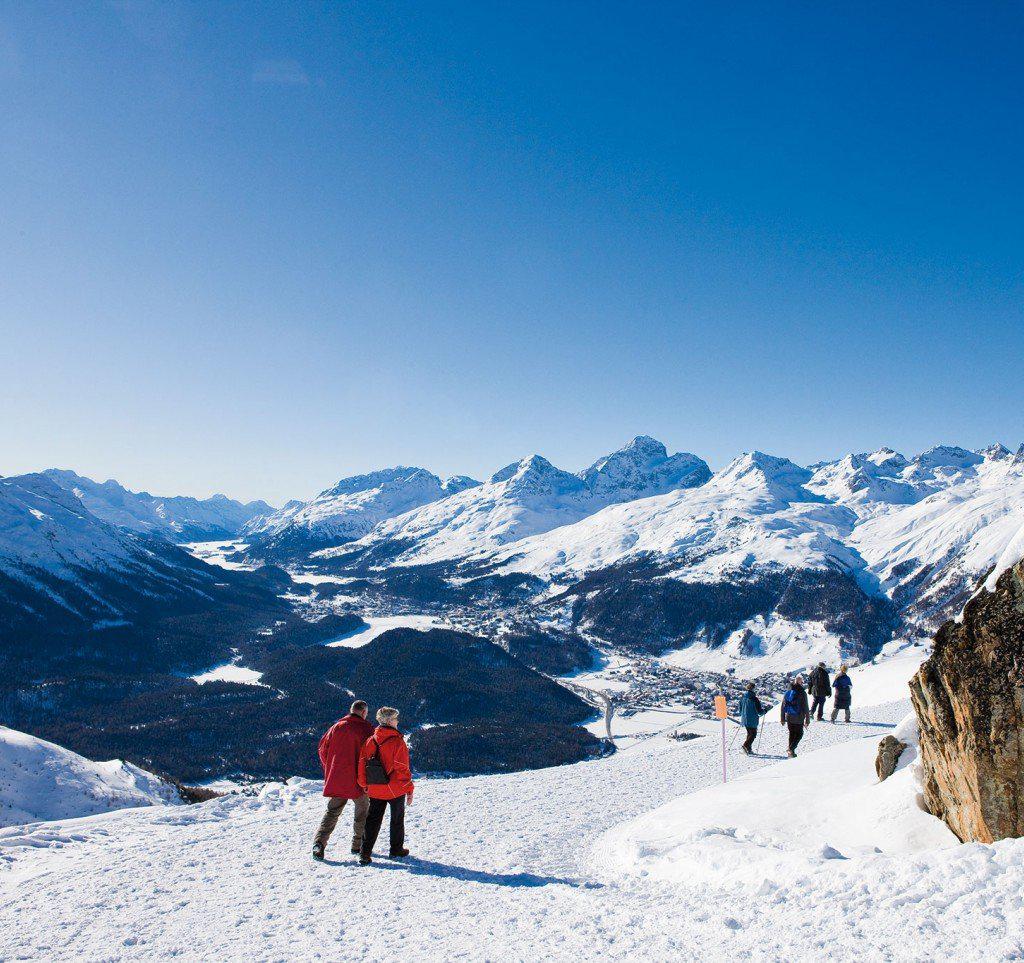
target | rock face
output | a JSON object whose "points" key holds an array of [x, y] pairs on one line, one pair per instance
{"points": [[889, 751], [969, 701]]}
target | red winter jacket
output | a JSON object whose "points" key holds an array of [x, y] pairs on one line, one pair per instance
{"points": [[394, 753], [339, 756]]}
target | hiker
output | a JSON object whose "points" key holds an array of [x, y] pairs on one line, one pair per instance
{"points": [[795, 713], [384, 774], [751, 711], [820, 687], [843, 696], [339, 757]]}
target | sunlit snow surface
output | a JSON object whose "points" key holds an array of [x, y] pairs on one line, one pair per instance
{"points": [[519, 867], [215, 553], [377, 625], [43, 781], [230, 672]]}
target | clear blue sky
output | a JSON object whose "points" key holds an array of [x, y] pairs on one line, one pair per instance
{"points": [[255, 247]]}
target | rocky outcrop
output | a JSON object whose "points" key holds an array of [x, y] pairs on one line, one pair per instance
{"points": [[969, 701], [889, 751]]}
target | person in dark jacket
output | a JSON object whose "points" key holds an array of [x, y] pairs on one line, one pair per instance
{"points": [[795, 713], [820, 687], [843, 695], [339, 757], [751, 711]]}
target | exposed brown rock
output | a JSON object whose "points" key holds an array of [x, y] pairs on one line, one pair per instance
{"points": [[969, 700], [889, 751]]}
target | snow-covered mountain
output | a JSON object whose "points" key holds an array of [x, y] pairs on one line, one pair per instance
{"points": [[751, 567], [41, 781], [61, 564], [909, 535], [178, 518], [526, 498], [755, 512], [929, 553], [348, 511], [767, 564]]}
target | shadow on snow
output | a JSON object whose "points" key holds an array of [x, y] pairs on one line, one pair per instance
{"points": [[426, 867]]}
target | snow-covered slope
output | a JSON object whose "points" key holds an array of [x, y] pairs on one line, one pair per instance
{"points": [[526, 498], [60, 562], [41, 781], [349, 510], [232, 879], [178, 518]]}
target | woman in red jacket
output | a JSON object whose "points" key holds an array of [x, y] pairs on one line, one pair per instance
{"points": [[385, 776]]}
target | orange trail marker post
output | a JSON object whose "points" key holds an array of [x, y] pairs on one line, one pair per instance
{"points": [[722, 712]]}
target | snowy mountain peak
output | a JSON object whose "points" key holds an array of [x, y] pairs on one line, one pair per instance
{"points": [[995, 452], [349, 510], [757, 468], [396, 476], [643, 467], [536, 475], [458, 483], [947, 456], [888, 459]]}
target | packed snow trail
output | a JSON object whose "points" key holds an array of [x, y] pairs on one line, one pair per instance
{"points": [[501, 872]]}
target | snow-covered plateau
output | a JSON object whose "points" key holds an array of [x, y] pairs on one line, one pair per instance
{"points": [[643, 855]]}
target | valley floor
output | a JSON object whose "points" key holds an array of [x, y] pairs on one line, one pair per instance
{"points": [[506, 867]]}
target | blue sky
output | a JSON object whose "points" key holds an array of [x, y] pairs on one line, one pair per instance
{"points": [[256, 247]]}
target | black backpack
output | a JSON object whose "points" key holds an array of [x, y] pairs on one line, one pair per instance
{"points": [[376, 774]]}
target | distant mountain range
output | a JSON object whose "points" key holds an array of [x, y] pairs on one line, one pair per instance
{"points": [[63, 566], [347, 511], [645, 556], [763, 562], [527, 498], [178, 518]]}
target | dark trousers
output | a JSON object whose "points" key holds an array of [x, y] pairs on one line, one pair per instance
{"points": [[376, 816], [796, 733], [751, 736], [818, 706]]}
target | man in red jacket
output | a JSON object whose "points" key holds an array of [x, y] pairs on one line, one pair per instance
{"points": [[339, 756], [385, 774]]}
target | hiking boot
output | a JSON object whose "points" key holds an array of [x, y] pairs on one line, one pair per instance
{"points": [[791, 754], [399, 854], [318, 852], [356, 850], [364, 860]]}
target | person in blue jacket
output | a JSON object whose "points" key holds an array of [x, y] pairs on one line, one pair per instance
{"points": [[751, 711], [842, 696]]}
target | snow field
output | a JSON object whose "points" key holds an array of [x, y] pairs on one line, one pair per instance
{"points": [[530, 866]]}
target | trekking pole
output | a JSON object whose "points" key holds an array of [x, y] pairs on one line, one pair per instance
{"points": [[732, 741], [760, 732]]}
